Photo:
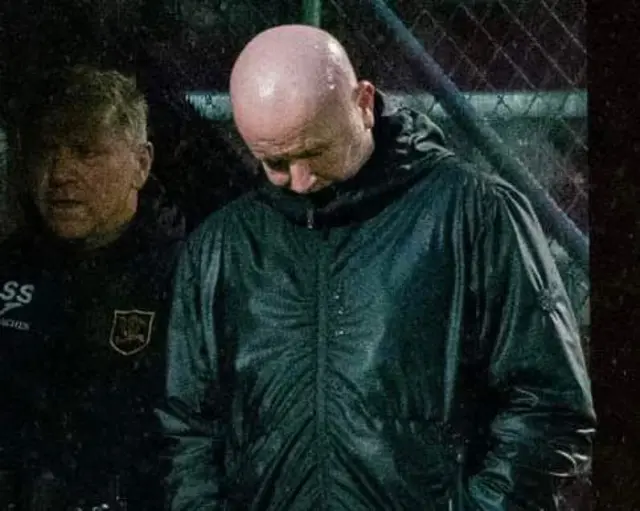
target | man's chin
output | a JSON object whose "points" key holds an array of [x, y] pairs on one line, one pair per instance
{"points": [[68, 232]]}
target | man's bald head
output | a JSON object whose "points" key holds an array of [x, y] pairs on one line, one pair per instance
{"points": [[290, 68], [299, 107]]}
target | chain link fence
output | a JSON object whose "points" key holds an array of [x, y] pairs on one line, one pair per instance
{"points": [[520, 64]]}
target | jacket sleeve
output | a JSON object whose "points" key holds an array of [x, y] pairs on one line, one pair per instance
{"points": [[191, 419], [540, 438]]}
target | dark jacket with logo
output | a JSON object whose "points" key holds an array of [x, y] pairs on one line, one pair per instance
{"points": [[82, 345], [400, 341]]}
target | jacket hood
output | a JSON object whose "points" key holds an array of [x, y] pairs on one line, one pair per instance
{"points": [[157, 221], [407, 146]]}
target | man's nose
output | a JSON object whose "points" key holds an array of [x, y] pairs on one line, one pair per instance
{"points": [[302, 177], [63, 166]]}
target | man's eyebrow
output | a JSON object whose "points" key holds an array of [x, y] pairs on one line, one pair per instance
{"points": [[313, 150], [306, 153]]}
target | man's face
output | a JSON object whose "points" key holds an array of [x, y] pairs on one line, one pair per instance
{"points": [[309, 152], [85, 184]]}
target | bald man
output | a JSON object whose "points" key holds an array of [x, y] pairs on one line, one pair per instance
{"points": [[378, 327]]}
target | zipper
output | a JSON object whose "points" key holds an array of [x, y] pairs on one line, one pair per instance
{"points": [[460, 488], [310, 219], [322, 441]]}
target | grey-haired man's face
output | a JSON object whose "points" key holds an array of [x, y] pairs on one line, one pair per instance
{"points": [[84, 182]]}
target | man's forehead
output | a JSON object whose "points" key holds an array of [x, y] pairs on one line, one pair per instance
{"points": [[78, 131], [78, 138], [303, 135]]}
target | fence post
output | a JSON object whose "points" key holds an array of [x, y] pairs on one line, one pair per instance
{"points": [[312, 12], [555, 222]]}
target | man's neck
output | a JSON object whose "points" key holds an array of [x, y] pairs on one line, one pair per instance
{"points": [[103, 239], [366, 151], [109, 233]]}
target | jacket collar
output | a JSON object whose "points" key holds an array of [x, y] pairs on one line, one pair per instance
{"points": [[407, 146]]}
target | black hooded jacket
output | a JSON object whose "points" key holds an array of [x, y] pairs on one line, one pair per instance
{"points": [[82, 340], [399, 341]]}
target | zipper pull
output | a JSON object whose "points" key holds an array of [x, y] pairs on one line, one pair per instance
{"points": [[310, 222]]}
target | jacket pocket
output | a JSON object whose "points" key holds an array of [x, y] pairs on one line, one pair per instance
{"points": [[428, 459]]}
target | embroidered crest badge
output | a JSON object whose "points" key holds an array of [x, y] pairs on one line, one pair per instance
{"points": [[131, 331]]}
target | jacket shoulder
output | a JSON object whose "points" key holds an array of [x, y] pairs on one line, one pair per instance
{"points": [[221, 224], [455, 181], [461, 174]]}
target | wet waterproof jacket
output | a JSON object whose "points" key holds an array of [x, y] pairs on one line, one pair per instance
{"points": [[399, 341], [82, 359]]}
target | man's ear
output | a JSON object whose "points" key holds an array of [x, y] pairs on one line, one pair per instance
{"points": [[366, 101], [145, 161]]}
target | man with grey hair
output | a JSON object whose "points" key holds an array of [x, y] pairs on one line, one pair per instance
{"points": [[83, 301], [378, 327]]}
